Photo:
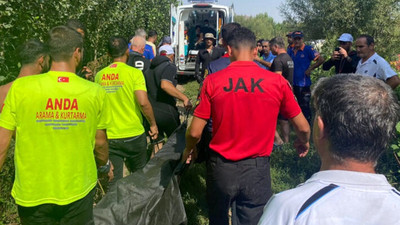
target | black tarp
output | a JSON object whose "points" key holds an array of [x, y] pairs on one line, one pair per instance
{"points": [[150, 196]]}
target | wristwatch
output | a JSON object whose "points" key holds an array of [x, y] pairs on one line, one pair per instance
{"points": [[105, 169]]}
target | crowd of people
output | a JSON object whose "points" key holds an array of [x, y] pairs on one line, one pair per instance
{"points": [[68, 129]]}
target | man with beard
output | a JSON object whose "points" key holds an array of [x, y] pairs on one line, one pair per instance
{"points": [[205, 56], [344, 60]]}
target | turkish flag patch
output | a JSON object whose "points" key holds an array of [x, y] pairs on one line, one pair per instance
{"points": [[63, 79], [114, 65]]}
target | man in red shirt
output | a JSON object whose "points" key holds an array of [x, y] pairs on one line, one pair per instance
{"points": [[244, 101]]}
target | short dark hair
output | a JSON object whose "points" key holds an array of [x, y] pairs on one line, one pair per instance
{"points": [[227, 29], [62, 43], [260, 41], [75, 24], [31, 50], [242, 37], [369, 38], [117, 46], [359, 113], [278, 41], [152, 33]]}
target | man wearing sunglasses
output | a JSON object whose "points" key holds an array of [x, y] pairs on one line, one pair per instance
{"points": [[344, 60], [302, 56]]}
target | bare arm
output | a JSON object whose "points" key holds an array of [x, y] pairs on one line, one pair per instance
{"points": [[147, 110], [319, 61], [193, 136], [302, 129], [174, 92], [5, 139], [101, 148], [263, 62], [393, 82]]}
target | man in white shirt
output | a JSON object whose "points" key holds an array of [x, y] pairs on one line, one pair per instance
{"points": [[371, 64], [354, 123]]}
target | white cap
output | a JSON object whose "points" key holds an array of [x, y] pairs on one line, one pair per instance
{"points": [[346, 37], [167, 48]]}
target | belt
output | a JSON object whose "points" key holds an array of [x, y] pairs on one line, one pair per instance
{"points": [[257, 161]]}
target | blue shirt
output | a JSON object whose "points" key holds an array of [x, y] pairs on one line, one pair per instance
{"points": [[222, 63], [148, 52], [270, 58], [218, 64], [302, 59]]}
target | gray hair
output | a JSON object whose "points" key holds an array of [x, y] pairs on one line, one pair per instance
{"points": [[140, 32], [278, 41], [138, 41], [360, 114]]}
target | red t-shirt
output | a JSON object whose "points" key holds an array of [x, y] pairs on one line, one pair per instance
{"points": [[244, 101]]}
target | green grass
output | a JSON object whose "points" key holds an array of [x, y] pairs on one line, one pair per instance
{"points": [[191, 90], [193, 190], [287, 171], [8, 208]]}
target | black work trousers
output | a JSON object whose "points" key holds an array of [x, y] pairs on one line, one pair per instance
{"points": [[303, 96], [79, 212], [167, 119], [132, 151], [244, 185]]}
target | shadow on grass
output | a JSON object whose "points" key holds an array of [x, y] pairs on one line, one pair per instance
{"points": [[193, 190]]}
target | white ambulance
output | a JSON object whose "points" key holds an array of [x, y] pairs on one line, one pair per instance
{"points": [[188, 25]]}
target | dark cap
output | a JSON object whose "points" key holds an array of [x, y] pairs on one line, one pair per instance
{"points": [[289, 34], [165, 40], [297, 34]]}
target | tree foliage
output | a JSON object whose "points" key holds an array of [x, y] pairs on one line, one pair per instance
{"points": [[262, 25], [329, 18], [22, 20]]}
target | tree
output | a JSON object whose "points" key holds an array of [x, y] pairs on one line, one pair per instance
{"points": [[22, 20], [262, 25], [329, 18]]}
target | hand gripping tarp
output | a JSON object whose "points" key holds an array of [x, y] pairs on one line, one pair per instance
{"points": [[149, 196]]}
